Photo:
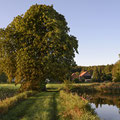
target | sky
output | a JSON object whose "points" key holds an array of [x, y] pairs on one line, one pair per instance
{"points": [[95, 23]]}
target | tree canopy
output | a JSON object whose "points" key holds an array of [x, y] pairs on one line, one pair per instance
{"points": [[116, 72], [36, 46]]}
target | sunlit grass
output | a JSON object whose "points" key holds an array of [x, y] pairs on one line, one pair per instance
{"points": [[75, 108], [57, 87], [45, 105], [13, 86]]}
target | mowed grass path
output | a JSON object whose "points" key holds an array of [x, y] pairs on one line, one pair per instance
{"points": [[43, 106]]}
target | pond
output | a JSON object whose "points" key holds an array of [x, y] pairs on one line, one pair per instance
{"points": [[107, 106]]}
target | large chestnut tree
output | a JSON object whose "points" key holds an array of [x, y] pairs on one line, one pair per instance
{"points": [[37, 46]]}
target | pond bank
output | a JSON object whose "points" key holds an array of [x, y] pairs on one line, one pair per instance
{"points": [[111, 87], [75, 108]]}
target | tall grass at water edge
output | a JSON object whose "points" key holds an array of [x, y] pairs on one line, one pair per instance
{"points": [[75, 108]]}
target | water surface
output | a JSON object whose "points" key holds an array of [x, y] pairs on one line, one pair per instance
{"points": [[107, 112], [107, 106]]}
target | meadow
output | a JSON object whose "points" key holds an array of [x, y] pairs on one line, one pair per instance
{"points": [[55, 104], [59, 102]]}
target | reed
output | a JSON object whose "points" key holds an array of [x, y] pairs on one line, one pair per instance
{"points": [[75, 107]]}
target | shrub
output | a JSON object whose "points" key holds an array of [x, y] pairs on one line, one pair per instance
{"points": [[67, 85], [76, 80], [3, 78]]}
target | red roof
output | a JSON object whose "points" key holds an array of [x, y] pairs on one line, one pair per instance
{"points": [[83, 73]]}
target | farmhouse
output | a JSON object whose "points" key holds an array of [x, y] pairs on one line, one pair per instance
{"points": [[85, 76]]}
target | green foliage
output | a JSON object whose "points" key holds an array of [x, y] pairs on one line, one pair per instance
{"points": [[116, 72], [3, 78], [99, 73], [36, 46], [96, 75], [68, 85], [76, 80]]}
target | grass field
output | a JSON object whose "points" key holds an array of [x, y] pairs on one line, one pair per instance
{"points": [[47, 105], [49, 86], [56, 87], [9, 90]]}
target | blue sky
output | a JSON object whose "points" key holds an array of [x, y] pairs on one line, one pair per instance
{"points": [[95, 23]]}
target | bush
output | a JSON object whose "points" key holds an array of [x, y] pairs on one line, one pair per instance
{"points": [[68, 85], [3, 78], [76, 80], [116, 78], [116, 72]]}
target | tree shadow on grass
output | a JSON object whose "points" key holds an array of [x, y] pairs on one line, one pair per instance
{"points": [[53, 106], [20, 109], [39, 107]]}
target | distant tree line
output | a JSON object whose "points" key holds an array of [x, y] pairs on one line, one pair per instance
{"points": [[101, 73]]}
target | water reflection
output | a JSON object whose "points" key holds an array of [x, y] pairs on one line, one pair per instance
{"points": [[99, 99], [107, 106]]}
